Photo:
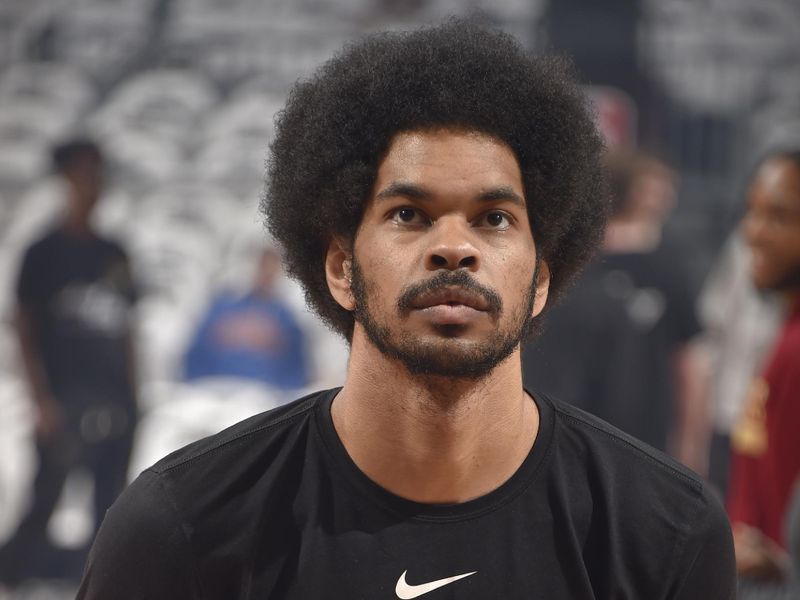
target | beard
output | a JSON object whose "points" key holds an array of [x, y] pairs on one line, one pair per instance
{"points": [[447, 355], [788, 282]]}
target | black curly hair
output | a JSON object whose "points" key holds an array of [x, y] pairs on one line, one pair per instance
{"points": [[336, 127], [65, 154]]}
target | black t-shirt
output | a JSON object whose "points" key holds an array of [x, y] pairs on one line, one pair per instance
{"points": [[610, 346], [79, 293], [275, 508]]}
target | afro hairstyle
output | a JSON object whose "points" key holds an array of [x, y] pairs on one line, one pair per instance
{"points": [[337, 126]]}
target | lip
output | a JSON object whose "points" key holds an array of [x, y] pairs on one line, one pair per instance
{"points": [[450, 314], [451, 299]]}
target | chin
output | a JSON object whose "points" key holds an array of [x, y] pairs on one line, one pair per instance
{"points": [[452, 358], [763, 281]]}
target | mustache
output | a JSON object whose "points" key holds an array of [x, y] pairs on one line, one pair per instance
{"points": [[445, 279]]}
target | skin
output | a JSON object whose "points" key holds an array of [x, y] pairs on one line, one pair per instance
{"points": [[772, 226], [443, 200], [84, 178], [638, 227], [772, 230]]}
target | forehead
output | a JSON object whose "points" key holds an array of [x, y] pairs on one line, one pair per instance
{"points": [[777, 180], [451, 157]]}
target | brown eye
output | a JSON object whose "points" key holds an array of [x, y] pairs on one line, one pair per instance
{"points": [[406, 214], [495, 220], [409, 216]]}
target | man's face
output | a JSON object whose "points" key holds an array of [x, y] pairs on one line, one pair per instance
{"points": [[85, 176], [772, 225], [653, 195], [444, 262]]}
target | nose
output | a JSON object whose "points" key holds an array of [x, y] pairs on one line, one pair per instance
{"points": [[451, 246]]}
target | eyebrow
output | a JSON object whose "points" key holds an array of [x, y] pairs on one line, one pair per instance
{"points": [[416, 192]]}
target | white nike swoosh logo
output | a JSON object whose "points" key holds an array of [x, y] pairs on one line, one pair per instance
{"points": [[406, 592]]}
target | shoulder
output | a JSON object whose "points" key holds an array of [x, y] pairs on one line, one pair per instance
{"points": [[641, 485], [112, 247], [620, 450], [36, 266], [44, 244], [156, 540], [783, 363], [254, 435], [668, 522], [141, 548], [225, 300], [613, 459]]}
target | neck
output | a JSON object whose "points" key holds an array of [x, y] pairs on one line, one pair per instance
{"points": [[433, 439], [78, 223], [792, 299]]}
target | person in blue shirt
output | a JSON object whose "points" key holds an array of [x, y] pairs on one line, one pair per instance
{"points": [[252, 336]]}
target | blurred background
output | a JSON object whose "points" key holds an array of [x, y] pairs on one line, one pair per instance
{"points": [[181, 94]]}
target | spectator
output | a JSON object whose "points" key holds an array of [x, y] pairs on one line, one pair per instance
{"points": [[618, 346], [253, 336], [765, 440], [740, 324], [74, 300]]}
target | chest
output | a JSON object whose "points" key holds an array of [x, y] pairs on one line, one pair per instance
{"points": [[422, 561]]}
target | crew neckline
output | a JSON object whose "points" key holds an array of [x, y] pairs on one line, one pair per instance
{"points": [[523, 477]]}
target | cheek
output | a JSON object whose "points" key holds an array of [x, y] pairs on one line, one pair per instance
{"points": [[382, 275], [516, 284], [785, 249]]}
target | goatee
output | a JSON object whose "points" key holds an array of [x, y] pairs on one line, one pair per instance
{"points": [[449, 356]]}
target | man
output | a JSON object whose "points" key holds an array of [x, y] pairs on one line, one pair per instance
{"points": [[432, 190], [740, 323], [75, 296], [765, 443], [619, 346], [251, 336]]}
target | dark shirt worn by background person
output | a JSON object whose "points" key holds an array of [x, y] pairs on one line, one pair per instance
{"points": [[78, 291], [609, 347]]}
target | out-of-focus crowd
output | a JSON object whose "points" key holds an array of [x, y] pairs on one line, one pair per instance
{"points": [[142, 305], [715, 380]]}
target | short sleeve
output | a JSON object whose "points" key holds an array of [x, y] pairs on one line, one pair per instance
{"points": [[124, 275], [30, 278], [141, 551], [707, 560]]}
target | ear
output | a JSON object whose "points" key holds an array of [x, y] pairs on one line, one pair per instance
{"points": [[338, 273], [542, 288]]}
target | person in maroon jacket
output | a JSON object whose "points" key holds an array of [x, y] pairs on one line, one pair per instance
{"points": [[766, 444]]}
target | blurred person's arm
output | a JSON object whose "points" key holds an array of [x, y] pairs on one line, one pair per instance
{"points": [[49, 414], [757, 556], [692, 433]]}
